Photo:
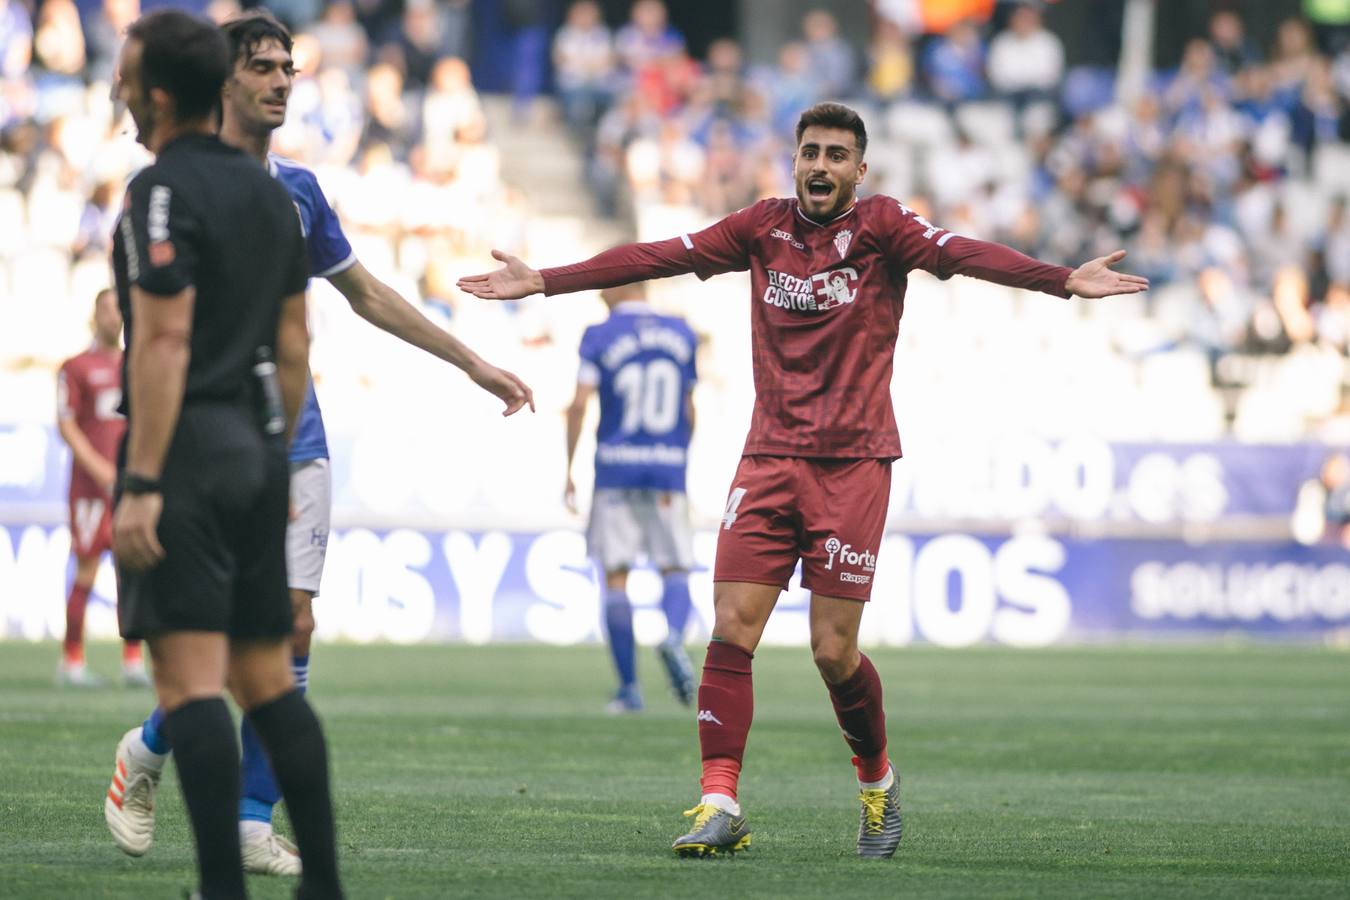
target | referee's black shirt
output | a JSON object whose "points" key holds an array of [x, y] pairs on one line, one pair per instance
{"points": [[209, 216]]}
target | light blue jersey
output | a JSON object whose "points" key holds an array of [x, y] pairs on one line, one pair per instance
{"points": [[642, 366], [329, 254]]}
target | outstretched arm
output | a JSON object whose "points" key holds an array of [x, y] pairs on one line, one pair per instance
{"points": [[624, 264], [385, 308], [1004, 265]]}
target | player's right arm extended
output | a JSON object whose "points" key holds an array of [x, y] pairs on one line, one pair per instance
{"points": [[292, 358], [624, 264]]}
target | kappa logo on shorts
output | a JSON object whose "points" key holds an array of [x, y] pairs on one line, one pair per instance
{"points": [[705, 715], [864, 559]]}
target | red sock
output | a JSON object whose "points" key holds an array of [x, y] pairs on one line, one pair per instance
{"points": [[131, 653], [73, 646], [857, 706], [726, 704]]}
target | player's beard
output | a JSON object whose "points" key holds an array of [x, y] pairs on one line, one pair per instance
{"points": [[143, 116]]}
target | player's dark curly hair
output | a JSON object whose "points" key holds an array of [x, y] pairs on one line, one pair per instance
{"points": [[248, 31], [834, 115], [183, 55]]}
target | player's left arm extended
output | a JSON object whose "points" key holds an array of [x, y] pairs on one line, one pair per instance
{"points": [[387, 310], [1004, 265]]}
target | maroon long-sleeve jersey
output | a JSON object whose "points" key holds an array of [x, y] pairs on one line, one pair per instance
{"points": [[826, 301]]}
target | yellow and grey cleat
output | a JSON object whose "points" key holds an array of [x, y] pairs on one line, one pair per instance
{"points": [[880, 826], [715, 831]]}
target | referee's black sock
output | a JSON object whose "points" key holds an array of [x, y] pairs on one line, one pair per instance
{"points": [[207, 756], [294, 740]]}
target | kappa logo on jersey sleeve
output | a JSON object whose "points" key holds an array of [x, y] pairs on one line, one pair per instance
{"points": [[818, 293]]}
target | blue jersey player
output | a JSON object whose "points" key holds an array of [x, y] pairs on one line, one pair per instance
{"points": [[641, 366], [253, 106]]}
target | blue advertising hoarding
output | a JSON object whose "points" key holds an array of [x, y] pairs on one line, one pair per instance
{"points": [[950, 589]]}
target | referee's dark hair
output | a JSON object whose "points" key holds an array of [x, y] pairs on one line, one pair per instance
{"points": [[247, 31], [185, 56]]}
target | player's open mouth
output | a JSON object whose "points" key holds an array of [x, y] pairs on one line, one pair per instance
{"points": [[818, 187]]}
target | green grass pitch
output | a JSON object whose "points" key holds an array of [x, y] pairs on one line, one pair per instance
{"points": [[492, 772]]}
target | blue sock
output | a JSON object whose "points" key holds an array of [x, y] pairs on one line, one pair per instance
{"points": [[259, 786], [619, 625], [675, 603], [152, 732]]}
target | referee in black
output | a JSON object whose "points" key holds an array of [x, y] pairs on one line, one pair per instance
{"points": [[211, 270]]}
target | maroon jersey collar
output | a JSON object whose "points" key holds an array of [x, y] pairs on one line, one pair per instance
{"points": [[839, 218]]}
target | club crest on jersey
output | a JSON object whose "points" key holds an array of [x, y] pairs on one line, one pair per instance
{"points": [[842, 240], [817, 293]]}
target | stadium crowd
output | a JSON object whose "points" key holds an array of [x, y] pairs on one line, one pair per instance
{"points": [[1226, 179]]}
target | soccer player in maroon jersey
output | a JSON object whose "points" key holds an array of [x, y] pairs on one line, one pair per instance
{"points": [[88, 389], [828, 275]]}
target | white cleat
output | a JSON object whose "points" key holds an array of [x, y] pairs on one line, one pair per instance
{"points": [[77, 675], [129, 808], [266, 852], [135, 676]]}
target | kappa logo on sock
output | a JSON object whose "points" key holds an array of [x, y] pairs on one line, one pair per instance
{"points": [[705, 715]]}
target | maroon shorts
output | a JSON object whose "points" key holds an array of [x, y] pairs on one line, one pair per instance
{"points": [[90, 525], [829, 513]]}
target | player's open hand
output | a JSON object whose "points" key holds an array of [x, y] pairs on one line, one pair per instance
{"points": [[1096, 279], [504, 385], [135, 531], [511, 282]]}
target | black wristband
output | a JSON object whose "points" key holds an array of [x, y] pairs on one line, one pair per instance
{"points": [[139, 484]]}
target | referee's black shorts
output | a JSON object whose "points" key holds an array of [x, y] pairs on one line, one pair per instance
{"points": [[225, 486]]}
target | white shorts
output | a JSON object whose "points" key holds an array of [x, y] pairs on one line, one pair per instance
{"points": [[629, 522], [307, 533]]}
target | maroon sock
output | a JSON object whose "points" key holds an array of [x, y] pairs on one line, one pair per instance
{"points": [[857, 706], [73, 646], [726, 704]]}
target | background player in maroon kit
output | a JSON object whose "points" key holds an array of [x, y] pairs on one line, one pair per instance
{"points": [[89, 387], [828, 277]]}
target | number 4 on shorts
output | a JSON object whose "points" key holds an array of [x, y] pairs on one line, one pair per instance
{"points": [[733, 502]]}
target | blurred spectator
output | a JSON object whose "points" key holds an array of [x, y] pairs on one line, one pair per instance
{"points": [[390, 120], [584, 65], [450, 110], [1197, 78], [1292, 58], [1228, 39], [831, 58], [647, 37], [791, 87], [103, 32], [890, 74], [430, 31], [953, 65], [16, 39], [1026, 62], [59, 42], [342, 42]]}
